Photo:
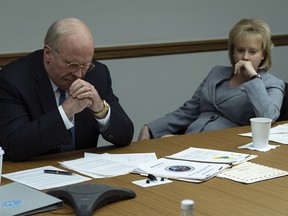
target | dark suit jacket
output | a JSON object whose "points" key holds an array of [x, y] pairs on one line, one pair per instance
{"points": [[30, 123]]}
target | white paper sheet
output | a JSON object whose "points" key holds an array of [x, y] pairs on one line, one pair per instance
{"points": [[144, 183], [132, 158], [212, 156], [108, 165], [277, 134], [36, 178], [265, 149], [251, 172]]}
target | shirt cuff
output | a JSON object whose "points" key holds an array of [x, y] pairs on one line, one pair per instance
{"points": [[68, 123], [105, 121]]}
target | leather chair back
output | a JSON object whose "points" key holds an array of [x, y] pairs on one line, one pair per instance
{"points": [[284, 109]]}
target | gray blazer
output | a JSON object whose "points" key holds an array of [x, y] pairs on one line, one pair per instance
{"points": [[208, 109]]}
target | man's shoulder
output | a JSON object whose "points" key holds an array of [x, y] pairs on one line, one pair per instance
{"points": [[100, 73], [35, 56], [99, 70], [97, 62]]}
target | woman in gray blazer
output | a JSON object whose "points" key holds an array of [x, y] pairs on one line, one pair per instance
{"points": [[230, 95]]}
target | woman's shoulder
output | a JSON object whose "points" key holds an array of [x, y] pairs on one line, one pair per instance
{"points": [[270, 79], [221, 68], [220, 71]]}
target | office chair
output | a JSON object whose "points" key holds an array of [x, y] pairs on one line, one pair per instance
{"points": [[284, 109]]}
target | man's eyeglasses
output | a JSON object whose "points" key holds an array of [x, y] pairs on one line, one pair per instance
{"points": [[75, 66]]}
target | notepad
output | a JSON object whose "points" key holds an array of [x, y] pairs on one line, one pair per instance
{"points": [[19, 199], [249, 172]]}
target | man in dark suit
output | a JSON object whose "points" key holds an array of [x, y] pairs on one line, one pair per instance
{"points": [[32, 119]]}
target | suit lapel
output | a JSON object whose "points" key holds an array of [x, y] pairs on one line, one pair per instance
{"points": [[43, 87], [222, 74]]}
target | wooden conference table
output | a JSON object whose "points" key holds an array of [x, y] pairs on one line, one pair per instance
{"points": [[212, 198]]}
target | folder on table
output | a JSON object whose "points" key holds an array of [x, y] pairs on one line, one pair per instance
{"points": [[19, 199]]}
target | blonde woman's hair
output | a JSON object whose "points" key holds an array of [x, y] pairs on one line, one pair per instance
{"points": [[251, 28]]}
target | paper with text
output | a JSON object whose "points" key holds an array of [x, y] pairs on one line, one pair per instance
{"points": [[107, 165], [212, 156], [36, 178], [251, 172], [178, 169], [277, 134]]}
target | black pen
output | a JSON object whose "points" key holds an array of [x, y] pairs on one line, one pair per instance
{"points": [[59, 172]]}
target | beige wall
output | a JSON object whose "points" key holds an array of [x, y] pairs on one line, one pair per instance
{"points": [[152, 86]]}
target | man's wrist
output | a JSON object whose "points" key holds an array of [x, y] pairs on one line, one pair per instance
{"points": [[102, 113]]}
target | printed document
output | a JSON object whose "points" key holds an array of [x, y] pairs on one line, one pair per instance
{"points": [[251, 172], [181, 170], [108, 165], [212, 156], [36, 178], [277, 134]]}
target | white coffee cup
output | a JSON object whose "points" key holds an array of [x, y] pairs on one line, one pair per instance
{"points": [[260, 131], [1, 161]]}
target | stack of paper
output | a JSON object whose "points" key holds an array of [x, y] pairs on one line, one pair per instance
{"points": [[277, 134], [193, 164], [211, 156], [108, 165], [182, 170]]}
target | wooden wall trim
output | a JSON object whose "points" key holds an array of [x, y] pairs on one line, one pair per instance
{"points": [[133, 51]]}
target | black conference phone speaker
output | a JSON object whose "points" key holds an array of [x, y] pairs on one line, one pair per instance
{"points": [[85, 198]]}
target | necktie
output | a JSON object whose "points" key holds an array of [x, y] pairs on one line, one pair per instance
{"points": [[62, 96], [71, 131]]}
